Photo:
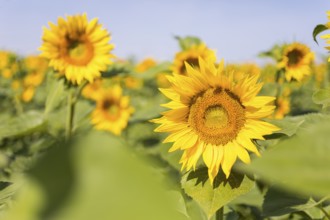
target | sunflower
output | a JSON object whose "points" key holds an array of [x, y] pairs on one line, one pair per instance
{"points": [[214, 117], [112, 110], [145, 65], [241, 70], [296, 61], [282, 107], [191, 57], [77, 48]]}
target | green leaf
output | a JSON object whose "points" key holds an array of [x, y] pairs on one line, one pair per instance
{"points": [[278, 202], [288, 125], [56, 94], [211, 198], [54, 171], [300, 164], [318, 29], [23, 124], [188, 42], [110, 183], [322, 97]]}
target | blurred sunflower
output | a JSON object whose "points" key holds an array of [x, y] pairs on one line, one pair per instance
{"points": [[240, 71], [191, 57], [214, 117], [112, 110], [91, 90], [282, 107], [145, 64], [296, 61], [77, 48], [28, 94]]}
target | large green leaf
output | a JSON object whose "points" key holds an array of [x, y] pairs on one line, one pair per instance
{"points": [[211, 198], [23, 124], [278, 202], [302, 163], [322, 97]]}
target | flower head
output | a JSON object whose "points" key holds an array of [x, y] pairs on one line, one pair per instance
{"points": [[191, 57], [112, 110], [77, 48], [214, 117], [145, 64], [296, 61]]}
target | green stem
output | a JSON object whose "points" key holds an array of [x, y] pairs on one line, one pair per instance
{"points": [[324, 212], [18, 105], [219, 214], [70, 114]]}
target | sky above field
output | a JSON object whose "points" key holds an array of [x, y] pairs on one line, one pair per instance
{"points": [[237, 29]]}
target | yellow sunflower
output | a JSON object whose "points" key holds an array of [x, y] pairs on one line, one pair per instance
{"points": [[145, 65], [282, 107], [28, 94], [214, 117], [296, 61], [112, 110], [77, 48], [240, 71], [191, 57]]}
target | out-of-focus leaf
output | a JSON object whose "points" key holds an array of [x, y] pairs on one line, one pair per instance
{"points": [[116, 69], [211, 198], [187, 42], [112, 183], [55, 174], [56, 94], [322, 97], [27, 203], [23, 124], [288, 125], [275, 52], [302, 163], [318, 29], [278, 202], [252, 198], [195, 212]]}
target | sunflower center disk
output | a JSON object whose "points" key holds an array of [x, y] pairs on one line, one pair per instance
{"points": [[294, 56], [111, 109], [217, 116], [79, 52]]}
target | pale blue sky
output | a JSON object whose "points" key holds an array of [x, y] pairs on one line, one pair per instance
{"points": [[237, 29]]}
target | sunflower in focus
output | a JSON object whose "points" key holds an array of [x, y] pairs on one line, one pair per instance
{"points": [[191, 57], [112, 110], [296, 61], [77, 48], [214, 117]]}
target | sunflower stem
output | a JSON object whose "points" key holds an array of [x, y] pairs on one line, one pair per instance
{"points": [[219, 214], [70, 114]]}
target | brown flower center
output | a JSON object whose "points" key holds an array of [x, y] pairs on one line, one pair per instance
{"points": [[217, 116], [294, 57]]}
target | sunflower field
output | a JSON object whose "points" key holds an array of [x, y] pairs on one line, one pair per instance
{"points": [[87, 135]]}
